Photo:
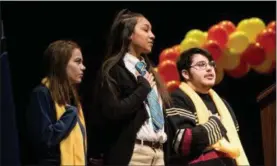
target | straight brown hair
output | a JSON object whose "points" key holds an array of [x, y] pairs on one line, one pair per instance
{"points": [[57, 56]]}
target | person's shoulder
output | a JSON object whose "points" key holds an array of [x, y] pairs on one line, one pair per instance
{"points": [[114, 71], [41, 90], [181, 98], [178, 93]]}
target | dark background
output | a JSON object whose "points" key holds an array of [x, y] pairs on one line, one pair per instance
{"points": [[31, 26]]}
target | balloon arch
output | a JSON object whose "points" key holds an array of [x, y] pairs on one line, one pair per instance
{"points": [[236, 49]]}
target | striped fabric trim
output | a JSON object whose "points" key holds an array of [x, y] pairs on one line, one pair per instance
{"points": [[178, 139], [186, 142], [196, 119], [213, 131], [181, 112]]}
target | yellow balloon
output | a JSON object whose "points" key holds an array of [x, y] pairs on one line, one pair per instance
{"points": [[238, 41], [188, 43], [197, 35], [258, 23], [252, 27], [264, 67], [230, 60], [219, 74], [243, 24]]}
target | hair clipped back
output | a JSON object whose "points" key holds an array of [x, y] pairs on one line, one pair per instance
{"points": [[117, 46]]}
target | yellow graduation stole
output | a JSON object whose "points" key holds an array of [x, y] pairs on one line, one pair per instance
{"points": [[72, 147], [233, 148]]}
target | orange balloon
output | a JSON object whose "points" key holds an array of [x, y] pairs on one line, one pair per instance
{"points": [[218, 34], [176, 48], [168, 71], [267, 39], [169, 54], [254, 54], [272, 25], [228, 26]]}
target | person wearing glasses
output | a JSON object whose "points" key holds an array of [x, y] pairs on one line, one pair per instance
{"points": [[204, 129]]}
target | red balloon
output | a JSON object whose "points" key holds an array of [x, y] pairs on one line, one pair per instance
{"points": [[168, 71], [267, 39], [239, 71], [218, 34], [254, 54], [169, 54], [228, 26], [272, 25], [214, 48], [172, 85]]}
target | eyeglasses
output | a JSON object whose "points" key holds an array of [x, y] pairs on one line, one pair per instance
{"points": [[203, 65]]}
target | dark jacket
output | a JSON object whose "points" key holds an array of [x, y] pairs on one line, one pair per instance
{"points": [[190, 139], [117, 120], [45, 132]]}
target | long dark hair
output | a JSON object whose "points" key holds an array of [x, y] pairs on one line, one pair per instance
{"points": [[117, 45]]}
